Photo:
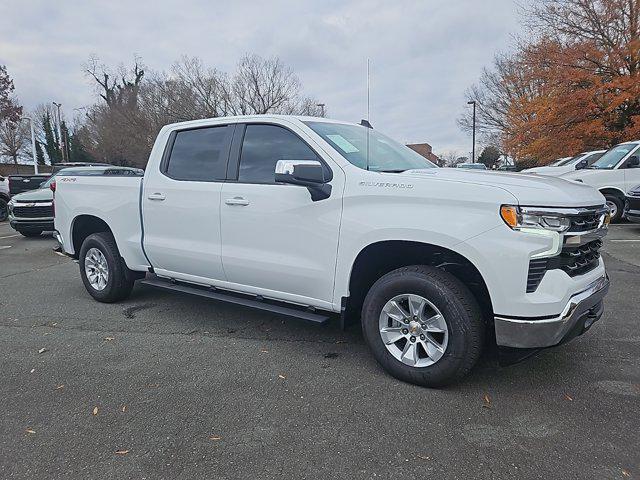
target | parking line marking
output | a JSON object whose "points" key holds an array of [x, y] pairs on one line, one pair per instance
{"points": [[9, 236], [629, 240], [4, 247]]}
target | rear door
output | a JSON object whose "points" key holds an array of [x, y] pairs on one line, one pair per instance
{"points": [[277, 241], [181, 204]]}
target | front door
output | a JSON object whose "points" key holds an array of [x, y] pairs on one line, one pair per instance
{"points": [[275, 238], [181, 205]]}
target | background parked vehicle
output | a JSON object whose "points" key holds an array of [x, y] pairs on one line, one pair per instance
{"points": [[472, 166], [578, 162], [613, 174], [313, 217], [24, 183], [31, 213], [632, 205], [4, 198]]}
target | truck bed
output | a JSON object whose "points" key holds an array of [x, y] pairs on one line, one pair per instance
{"points": [[111, 197]]}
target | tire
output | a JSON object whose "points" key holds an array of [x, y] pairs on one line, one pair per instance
{"points": [[445, 294], [4, 210], [31, 233], [616, 204], [98, 249]]}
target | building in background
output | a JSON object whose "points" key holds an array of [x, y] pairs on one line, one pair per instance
{"points": [[426, 151]]}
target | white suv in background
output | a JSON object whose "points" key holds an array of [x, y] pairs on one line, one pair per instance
{"points": [[580, 161], [614, 174]]}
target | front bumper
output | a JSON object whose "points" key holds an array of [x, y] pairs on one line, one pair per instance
{"points": [[581, 311], [31, 224]]}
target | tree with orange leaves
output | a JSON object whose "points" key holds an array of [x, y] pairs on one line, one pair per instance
{"points": [[574, 87]]}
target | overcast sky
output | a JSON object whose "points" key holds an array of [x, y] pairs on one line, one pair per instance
{"points": [[424, 54]]}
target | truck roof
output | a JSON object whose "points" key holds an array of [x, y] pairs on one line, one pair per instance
{"points": [[248, 118]]}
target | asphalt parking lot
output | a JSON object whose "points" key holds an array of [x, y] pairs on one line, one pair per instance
{"points": [[172, 386]]}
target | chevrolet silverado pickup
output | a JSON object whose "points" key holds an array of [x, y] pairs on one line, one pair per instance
{"points": [[314, 218]]}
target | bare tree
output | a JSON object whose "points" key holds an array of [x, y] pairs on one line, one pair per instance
{"points": [[136, 103], [14, 139]]}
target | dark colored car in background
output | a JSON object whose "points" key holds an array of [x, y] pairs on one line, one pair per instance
{"points": [[25, 183], [632, 205]]}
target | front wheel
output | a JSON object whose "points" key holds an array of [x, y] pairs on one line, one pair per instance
{"points": [[423, 325], [616, 207], [103, 272]]}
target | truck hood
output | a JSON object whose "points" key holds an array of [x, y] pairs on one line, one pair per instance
{"points": [[40, 195], [533, 190]]}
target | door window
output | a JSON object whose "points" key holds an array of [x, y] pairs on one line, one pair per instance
{"points": [[200, 154], [263, 146]]}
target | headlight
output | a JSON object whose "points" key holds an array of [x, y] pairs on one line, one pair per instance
{"points": [[531, 218], [10, 205]]}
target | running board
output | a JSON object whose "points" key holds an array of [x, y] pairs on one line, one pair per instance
{"points": [[256, 301]]}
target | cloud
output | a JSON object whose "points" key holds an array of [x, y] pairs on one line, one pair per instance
{"points": [[424, 54]]}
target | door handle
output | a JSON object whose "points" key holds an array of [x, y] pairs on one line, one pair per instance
{"points": [[156, 196], [237, 201]]}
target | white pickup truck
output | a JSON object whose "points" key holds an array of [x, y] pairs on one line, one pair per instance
{"points": [[310, 218], [613, 174]]}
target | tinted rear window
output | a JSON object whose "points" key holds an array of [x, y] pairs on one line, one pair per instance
{"points": [[200, 154]]}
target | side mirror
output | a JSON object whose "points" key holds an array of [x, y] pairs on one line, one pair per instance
{"points": [[581, 164], [633, 162], [307, 173]]}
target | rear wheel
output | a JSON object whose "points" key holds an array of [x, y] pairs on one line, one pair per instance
{"points": [[103, 272], [616, 206], [423, 325]]}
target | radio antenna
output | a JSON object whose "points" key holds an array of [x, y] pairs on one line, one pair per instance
{"points": [[368, 118]]}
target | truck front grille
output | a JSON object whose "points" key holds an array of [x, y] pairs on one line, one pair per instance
{"points": [[573, 261], [33, 212], [587, 221], [579, 260]]}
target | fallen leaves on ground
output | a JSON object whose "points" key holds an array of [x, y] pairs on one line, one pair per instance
{"points": [[95, 410], [215, 438], [264, 351], [568, 397], [30, 431], [121, 452], [108, 339], [487, 401], [59, 387], [625, 473], [42, 350], [32, 370], [282, 377], [124, 408]]}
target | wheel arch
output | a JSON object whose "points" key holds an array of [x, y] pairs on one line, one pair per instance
{"points": [[83, 226], [381, 257], [612, 191]]}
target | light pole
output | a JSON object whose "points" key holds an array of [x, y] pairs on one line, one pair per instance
{"points": [[473, 148], [62, 141], [33, 145], [321, 105]]}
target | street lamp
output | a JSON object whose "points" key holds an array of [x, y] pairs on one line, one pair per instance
{"points": [[33, 144], [321, 105], [473, 148]]}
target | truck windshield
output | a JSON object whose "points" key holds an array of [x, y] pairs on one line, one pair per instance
{"points": [[385, 154], [610, 159]]}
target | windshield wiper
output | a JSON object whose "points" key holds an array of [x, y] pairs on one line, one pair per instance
{"points": [[393, 171]]}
